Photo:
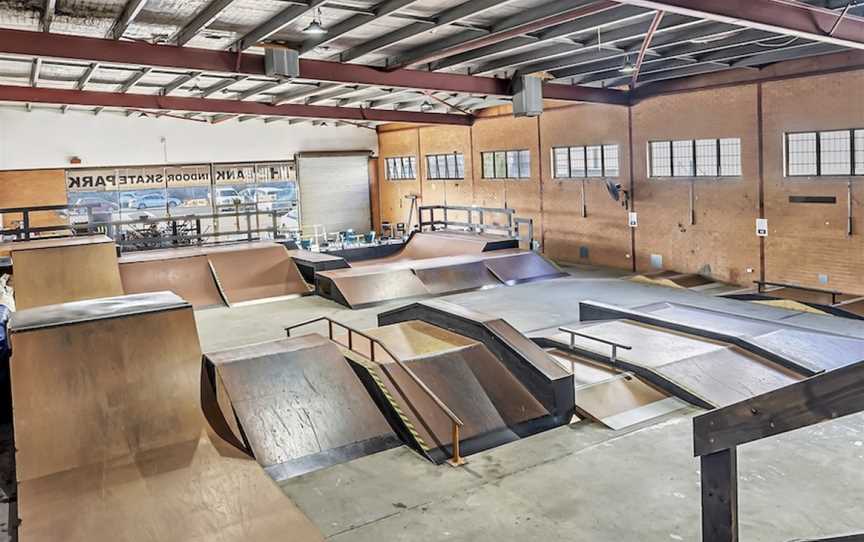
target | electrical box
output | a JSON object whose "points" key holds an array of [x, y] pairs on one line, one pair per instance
{"points": [[281, 62], [527, 96]]}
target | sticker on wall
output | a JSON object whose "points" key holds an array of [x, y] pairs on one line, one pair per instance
{"points": [[762, 227], [632, 220]]}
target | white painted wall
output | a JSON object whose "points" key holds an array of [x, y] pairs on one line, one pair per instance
{"points": [[48, 139]]}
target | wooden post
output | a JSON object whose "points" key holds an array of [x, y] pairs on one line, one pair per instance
{"points": [[720, 496]]}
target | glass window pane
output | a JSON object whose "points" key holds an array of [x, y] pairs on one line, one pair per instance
{"points": [[524, 164], [413, 167], [730, 157], [859, 152], [801, 153], [391, 173], [561, 162], [661, 165], [834, 152], [399, 171], [500, 165], [451, 166], [577, 161], [594, 165], [682, 158], [432, 166], [460, 166], [488, 165], [610, 160], [512, 164], [706, 157], [443, 168]]}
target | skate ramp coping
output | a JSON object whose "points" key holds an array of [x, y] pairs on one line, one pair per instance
{"points": [[111, 441]]}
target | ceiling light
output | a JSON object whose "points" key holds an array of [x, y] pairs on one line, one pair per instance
{"points": [[426, 106], [316, 26], [628, 66]]}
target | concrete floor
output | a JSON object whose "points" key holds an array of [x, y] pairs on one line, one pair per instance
{"points": [[581, 482]]}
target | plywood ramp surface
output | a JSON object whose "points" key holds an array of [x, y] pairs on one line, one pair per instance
{"points": [[423, 245], [190, 277], [257, 273], [62, 270], [112, 444], [299, 405]]}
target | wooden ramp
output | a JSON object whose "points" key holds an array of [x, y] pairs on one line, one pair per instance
{"points": [[437, 244], [59, 270], [111, 441]]}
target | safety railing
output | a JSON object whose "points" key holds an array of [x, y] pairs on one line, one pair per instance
{"points": [[613, 357], [457, 423], [761, 287], [476, 218], [718, 433]]}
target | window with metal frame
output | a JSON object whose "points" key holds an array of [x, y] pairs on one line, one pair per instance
{"points": [[401, 168], [695, 158], [585, 161], [441, 167], [824, 154], [506, 164]]}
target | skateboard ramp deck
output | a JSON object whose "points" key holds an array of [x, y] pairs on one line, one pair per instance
{"points": [[296, 405], [50, 271], [214, 276], [494, 406], [436, 244], [111, 441]]}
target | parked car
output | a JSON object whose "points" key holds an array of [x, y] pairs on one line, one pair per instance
{"points": [[226, 196], [128, 198], [96, 205], [150, 201]]}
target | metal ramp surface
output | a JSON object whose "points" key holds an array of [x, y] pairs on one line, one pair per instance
{"points": [[295, 405], [111, 442]]}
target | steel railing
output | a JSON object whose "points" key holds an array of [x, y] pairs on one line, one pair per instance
{"points": [[615, 345], [457, 423]]}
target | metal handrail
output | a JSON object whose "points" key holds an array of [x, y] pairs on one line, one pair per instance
{"points": [[615, 346], [761, 284], [457, 459]]}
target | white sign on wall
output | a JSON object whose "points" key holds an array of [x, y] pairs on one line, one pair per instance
{"points": [[633, 220], [762, 227]]}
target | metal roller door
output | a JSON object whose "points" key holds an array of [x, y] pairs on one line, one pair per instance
{"points": [[334, 191]]}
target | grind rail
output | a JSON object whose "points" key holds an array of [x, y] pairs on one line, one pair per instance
{"points": [[457, 423]]}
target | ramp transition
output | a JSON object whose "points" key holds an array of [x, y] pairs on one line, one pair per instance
{"points": [[111, 441], [295, 405]]}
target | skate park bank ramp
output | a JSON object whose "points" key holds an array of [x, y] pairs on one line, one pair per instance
{"points": [[295, 405], [59, 270], [492, 405], [111, 441], [357, 287], [546, 380], [215, 276], [437, 244]]}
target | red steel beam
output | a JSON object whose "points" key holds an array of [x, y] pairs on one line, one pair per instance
{"points": [[781, 16], [206, 105], [645, 44], [138, 54]]}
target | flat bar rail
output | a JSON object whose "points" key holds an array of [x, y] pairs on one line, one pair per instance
{"points": [[718, 433], [761, 284], [615, 345], [457, 423]]}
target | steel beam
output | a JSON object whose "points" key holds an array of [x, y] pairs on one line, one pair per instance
{"points": [[203, 19], [48, 7], [354, 22], [275, 24], [204, 105], [132, 81], [179, 82], [645, 44], [258, 89], [779, 16], [37, 44], [446, 17], [544, 16], [220, 86], [35, 68], [88, 74], [127, 17]]}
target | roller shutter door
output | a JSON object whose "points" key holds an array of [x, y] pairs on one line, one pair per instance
{"points": [[334, 191]]}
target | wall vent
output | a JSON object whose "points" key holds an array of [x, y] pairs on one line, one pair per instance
{"points": [[813, 199]]}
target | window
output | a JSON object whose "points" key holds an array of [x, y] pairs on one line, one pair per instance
{"points": [[695, 158], [506, 164], [401, 168], [445, 166], [589, 161], [834, 152]]}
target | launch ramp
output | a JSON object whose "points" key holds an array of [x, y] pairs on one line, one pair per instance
{"points": [[295, 405], [111, 442]]}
